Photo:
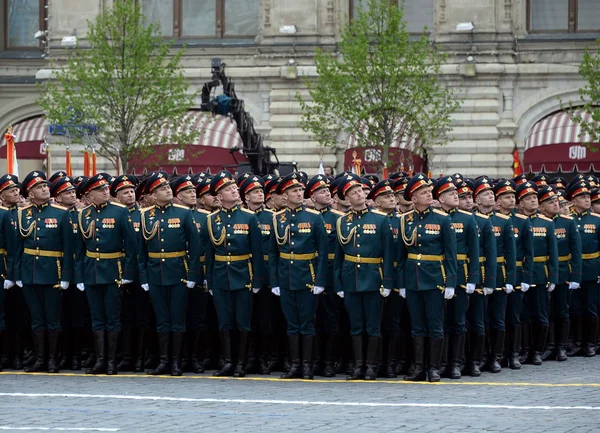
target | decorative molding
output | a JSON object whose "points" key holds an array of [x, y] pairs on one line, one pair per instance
{"points": [[442, 14], [267, 11], [330, 14], [508, 10]]}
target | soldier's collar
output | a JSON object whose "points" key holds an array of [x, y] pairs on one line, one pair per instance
{"points": [[533, 215], [490, 213], [450, 211], [325, 209], [168, 205], [233, 209], [425, 212], [133, 208], [360, 212], [100, 206], [42, 206], [260, 209], [298, 209], [13, 207]]}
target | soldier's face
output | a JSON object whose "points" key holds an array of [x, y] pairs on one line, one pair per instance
{"points": [[386, 202], [564, 208], [486, 198], [507, 201], [99, 195], [550, 207], [356, 196], [162, 195], [321, 197], [188, 197], [530, 204], [465, 202], [40, 193], [279, 200], [423, 197], [582, 202], [67, 198], [294, 197], [209, 202], [10, 197], [255, 197], [126, 196], [229, 195], [596, 207], [449, 199]]}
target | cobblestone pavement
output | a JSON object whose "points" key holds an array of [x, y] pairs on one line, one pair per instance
{"points": [[552, 398]]}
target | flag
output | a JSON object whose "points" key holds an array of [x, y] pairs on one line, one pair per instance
{"points": [[384, 174], [68, 166], [93, 162], [86, 162], [516, 166], [321, 168], [356, 164], [11, 153]]}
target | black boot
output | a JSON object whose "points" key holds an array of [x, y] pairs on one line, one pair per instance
{"points": [[526, 342], [240, 368], [227, 369], [265, 340], [196, 353], [2, 349], [477, 343], [514, 348], [330, 355], [308, 342], [548, 353], [111, 355], [295, 370], [53, 364], [497, 347], [372, 346], [163, 351], [592, 333], [577, 346], [100, 366], [563, 338], [435, 356], [390, 369], [539, 343], [39, 347], [139, 351], [18, 350], [358, 372], [418, 373], [126, 363], [458, 346], [444, 355], [176, 345]]}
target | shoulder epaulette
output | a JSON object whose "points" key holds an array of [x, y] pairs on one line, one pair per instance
{"points": [[3, 208], [180, 206], [480, 215], [567, 217], [58, 206], [378, 212], [595, 214], [247, 211], [440, 212], [204, 211], [114, 203], [407, 213], [337, 212], [545, 218], [520, 215], [311, 210], [465, 212], [501, 215]]}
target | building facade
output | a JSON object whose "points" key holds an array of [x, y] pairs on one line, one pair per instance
{"points": [[513, 69]]}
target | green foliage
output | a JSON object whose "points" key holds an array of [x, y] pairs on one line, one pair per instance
{"points": [[125, 81], [382, 78]]}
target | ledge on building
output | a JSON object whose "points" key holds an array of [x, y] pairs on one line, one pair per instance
{"points": [[21, 54], [560, 37], [18, 80]]}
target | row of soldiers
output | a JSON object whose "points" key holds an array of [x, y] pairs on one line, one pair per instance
{"points": [[427, 278]]}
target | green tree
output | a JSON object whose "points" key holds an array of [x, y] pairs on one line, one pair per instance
{"points": [[381, 85], [125, 81]]}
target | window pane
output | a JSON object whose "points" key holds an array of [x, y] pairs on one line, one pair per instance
{"points": [[549, 14], [159, 11], [359, 5], [418, 14], [241, 17], [23, 21], [199, 18], [588, 15]]}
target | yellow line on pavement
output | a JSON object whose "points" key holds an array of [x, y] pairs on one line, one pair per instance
{"points": [[274, 379]]}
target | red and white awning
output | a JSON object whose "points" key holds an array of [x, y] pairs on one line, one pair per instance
{"points": [[556, 143], [29, 130]]}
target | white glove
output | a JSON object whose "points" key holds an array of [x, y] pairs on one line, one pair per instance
{"points": [[551, 287], [340, 294], [81, 287], [19, 283], [524, 287], [317, 290], [572, 285], [8, 284], [598, 281], [276, 291], [146, 287], [470, 288], [385, 292], [509, 289], [205, 284], [64, 285], [190, 284], [449, 293], [255, 291], [211, 293], [403, 293], [487, 291]]}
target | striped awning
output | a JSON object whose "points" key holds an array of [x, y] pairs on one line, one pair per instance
{"points": [[34, 129], [556, 144], [216, 130]]}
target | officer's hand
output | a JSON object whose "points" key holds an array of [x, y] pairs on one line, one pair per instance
{"points": [[470, 288], [487, 291], [449, 293], [255, 291], [551, 287], [509, 288], [317, 290], [205, 285], [64, 285], [19, 283], [598, 281], [572, 285], [524, 287], [81, 287], [8, 284], [211, 293], [385, 292], [403, 293], [190, 284], [123, 281], [276, 291], [340, 294], [146, 287]]}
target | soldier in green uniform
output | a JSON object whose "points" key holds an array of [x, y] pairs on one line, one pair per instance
{"points": [[234, 267], [298, 271], [505, 196], [467, 258], [483, 194], [545, 265], [44, 265], [169, 265], [106, 259], [330, 305], [584, 308], [427, 273], [569, 273]]}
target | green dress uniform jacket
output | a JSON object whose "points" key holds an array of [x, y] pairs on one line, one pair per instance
{"points": [[545, 266], [107, 251], [330, 217], [487, 251], [427, 251], [201, 218], [523, 247], [265, 222], [505, 249], [45, 245], [569, 249], [8, 243], [467, 246], [234, 255], [169, 236], [588, 224], [299, 250]]}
